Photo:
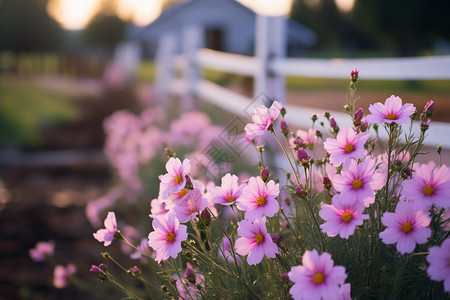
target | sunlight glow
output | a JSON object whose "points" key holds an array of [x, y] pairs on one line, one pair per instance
{"points": [[345, 5], [269, 7], [141, 12], [73, 14]]}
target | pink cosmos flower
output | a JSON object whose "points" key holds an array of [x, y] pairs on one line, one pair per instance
{"points": [[317, 278], [61, 275], [406, 227], [439, 260], [428, 187], [175, 179], [309, 138], [143, 249], [262, 118], [391, 112], [345, 292], [341, 218], [167, 237], [229, 192], [258, 199], [42, 250], [158, 207], [190, 205], [358, 182], [347, 145], [107, 235], [255, 241]]}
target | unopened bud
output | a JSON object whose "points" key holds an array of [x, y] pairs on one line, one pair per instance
{"points": [[135, 271], [439, 149], [299, 191], [206, 216], [314, 117], [333, 125], [265, 174], [364, 125], [357, 117], [327, 115], [302, 156], [275, 237], [424, 125], [283, 111], [189, 274], [429, 107], [284, 128], [285, 276], [327, 182], [354, 74], [169, 153], [98, 272]]}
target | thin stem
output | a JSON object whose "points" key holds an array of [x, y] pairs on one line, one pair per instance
{"points": [[287, 156]]}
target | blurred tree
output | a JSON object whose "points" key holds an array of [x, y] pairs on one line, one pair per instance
{"points": [[408, 25], [105, 32], [25, 26]]}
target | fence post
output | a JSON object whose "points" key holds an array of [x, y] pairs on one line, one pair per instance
{"points": [[270, 43], [165, 69], [192, 43]]}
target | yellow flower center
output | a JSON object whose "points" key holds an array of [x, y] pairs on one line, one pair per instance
{"points": [[406, 227], [178, 179], [230, 199], [261, 201], [392, 117], [349, 148], [318, 278], [347, 217], [259, 238], [183, 192], [170, 237], [428, 190], [357, 184]]}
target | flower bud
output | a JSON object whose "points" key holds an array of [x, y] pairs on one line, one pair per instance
{"points": [[283, 111], [299, 191], [354, 74], [98, 272], [357, 117], [169, 153], [439, 149], [314, 117], [326, 182], [302, 156], [275, 237], [135, 271], [189, 274], [285, 276], [364, 125], [327, 115], [429, 107], [284, 128], [424, 125], [333, 125], [265, 174]]}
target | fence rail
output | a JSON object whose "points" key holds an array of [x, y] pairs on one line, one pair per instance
{"points": [[269, 67]]}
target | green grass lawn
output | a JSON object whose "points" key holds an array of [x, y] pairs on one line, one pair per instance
{"points": [[25, 109]]}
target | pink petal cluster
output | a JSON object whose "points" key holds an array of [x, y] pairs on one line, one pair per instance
{"points": [[406, 227], [341, 218], [317, 278], [262, 118], [428, 187], [192, 204], [107, 235], [391, 111], [358, 182], [229, 192], [175, 179], [61, 275], [258, 199], [167, 237], [439, 260], [255, 241], [347, 145], [42, 250]]}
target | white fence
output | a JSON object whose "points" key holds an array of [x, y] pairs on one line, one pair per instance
{"points": [[269, 67]]}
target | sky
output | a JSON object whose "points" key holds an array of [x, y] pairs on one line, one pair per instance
{"points": [[76, 14]]}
